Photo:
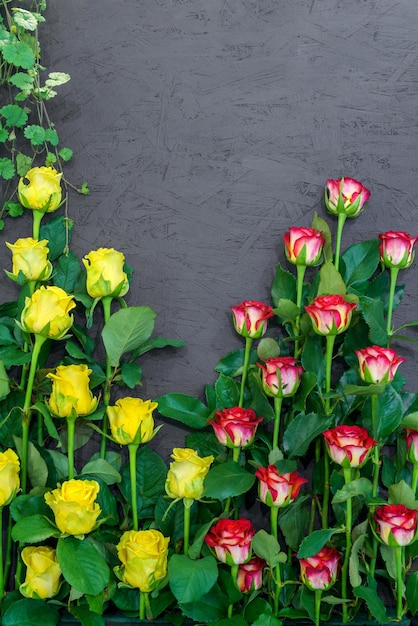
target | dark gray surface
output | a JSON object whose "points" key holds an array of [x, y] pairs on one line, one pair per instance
{"points": [[206, 129]]}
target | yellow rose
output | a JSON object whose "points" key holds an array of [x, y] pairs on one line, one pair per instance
{"points": [[143, 555], [42, 572], [9, 476], [186, 475], [43, 190], [47, 312], [30, 257], [105, 275], [74, 506], [131, 420], [71, 391]]}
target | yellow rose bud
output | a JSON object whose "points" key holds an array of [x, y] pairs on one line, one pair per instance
{"points": [[71, 391], [47, 312], [131, 420], [30, 257], [186, 474], [143, 555], [9, 476], [74, 506], [42, 574], [105, 275], [40, 189]]}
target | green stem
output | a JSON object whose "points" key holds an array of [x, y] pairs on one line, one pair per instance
{"points": [[277, 413], [399, 580], [71, 419], [142, 612], [414, 477], [187, 504], [274, 520], [330, 340], [325, 498], [341, 221], [300, 269], [235, 454], [1, 556], [132, 449], [318, 597], [348, 526], [247, 354], [26, 414], [37, 218], [9, 548], [393, 278], [106, 303], [274, 526]]}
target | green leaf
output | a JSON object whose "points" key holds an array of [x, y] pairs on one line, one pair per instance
{"points": [[25, 19], [131, 374], [360, 487], [412, 592], [373, 313], [7, 169], [287, 310], [410, 421], [227, 480], [293, 521], [331, 281], [190, 580], [65, 154], [22, 81], [185, 409], [126, 330], [232, 363], [374, 603], [4, 382], [267, 620], [29, 612], [314, 542], [19, 54], [66, 272], [151, 472], [35, 134], [34, 529], [37, 468], [14, 115], [320, 224], [389, 412], [100, 468], [227, 391], [268, 548], [302, 431], [354, 562], [57, 78], [23, 163], [401, 493], [55, 232], [51, 136], [159, 342], [267, 348], [284, 286], [360, 261], [211, 607], [82, 566]]}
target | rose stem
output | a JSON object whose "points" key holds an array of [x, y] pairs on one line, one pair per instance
{"points": [[142, 605], [330, 340], [393, 277], [414, 477], [274, 524], [1, 557], [187, 503], [70, 444], [348, 523], [234, 575], [106, 302], [247, 353], [37, 218], [300, 269], [341, 221], [318, 597], [399, 580], [132, 449]]}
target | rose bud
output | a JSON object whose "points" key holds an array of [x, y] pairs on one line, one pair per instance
{"points": [[143, 555], [47, 312], [43, 573], [250, 575], [349, 446], [320, 572], [131, 420], [396, 249], [231, 540], [9, 476], [345, 195], [250, 318], [70, 391], [186, 474], [330, 315], [40, 189], [236, 427], [303, 246], [411, 438], [276, 489], [105, 273], [74, 506], [396, 525], [280, 376], [30, 257], [378, 365]]}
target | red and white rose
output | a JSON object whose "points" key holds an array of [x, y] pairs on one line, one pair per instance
{"points": [[320, 572], [349, 445], [231, 540], [303, 246], [250, 318], [235, 427], [280, 376], [378, 365], [276, 489], [396, 524], [345, 195], [330, 315], [397, 249]]}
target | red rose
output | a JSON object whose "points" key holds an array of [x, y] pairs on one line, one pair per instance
{"points": [[303, 246], [250, 575], [330, 315], [320, 571], [278, 489], [411, 438], [231, 540], [250, 318], [280, 376], [396, 249], [349, 445], [236, 427], [396, 524], [378, 365], [345, 195]]}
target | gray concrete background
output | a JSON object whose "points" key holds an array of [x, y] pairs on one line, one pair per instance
{"points": [[206, 129]]}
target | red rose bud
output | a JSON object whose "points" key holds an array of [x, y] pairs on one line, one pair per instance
{"points": [[250, 575], [345, 195], [280, 376], [396, 525], [349, 445], [276, 489], [411, 438], [378, 365], [250, 318], [320, 571], [330, 315], [303, 246], [236, 427], [231, 540], [396, 249]]}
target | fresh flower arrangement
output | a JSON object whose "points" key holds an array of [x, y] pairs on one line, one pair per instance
{"points": [[294, 497]]}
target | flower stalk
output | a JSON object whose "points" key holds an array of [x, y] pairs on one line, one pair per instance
{"points": [[394, 271], [348, 543], [132, 451], [247, 353]]}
